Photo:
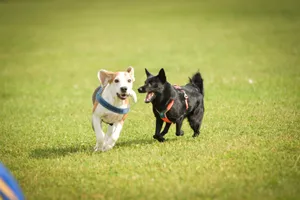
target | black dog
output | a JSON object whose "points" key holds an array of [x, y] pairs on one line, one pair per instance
{"points": [[173, 104]]}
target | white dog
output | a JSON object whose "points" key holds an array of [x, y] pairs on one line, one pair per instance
{"points": [[111, 105]]}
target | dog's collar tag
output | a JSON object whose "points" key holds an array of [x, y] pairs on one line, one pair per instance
{"points": [[162, 114], [108, 106]]}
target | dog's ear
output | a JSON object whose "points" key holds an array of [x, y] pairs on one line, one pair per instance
{"points": [[130, 70], [162, 75], [148, 73], [105, 76]]}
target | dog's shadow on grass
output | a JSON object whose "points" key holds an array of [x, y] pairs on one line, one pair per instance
{"points": [[55, 152], [141, 142]]}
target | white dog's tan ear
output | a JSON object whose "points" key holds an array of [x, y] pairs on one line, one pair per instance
{"points": [[105, 76], [130, 70]]}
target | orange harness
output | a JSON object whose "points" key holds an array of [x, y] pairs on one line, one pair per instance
{"points": [[163, 115]]}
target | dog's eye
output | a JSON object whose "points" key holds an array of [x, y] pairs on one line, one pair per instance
{"points": [[117, 81], [129, 80]]}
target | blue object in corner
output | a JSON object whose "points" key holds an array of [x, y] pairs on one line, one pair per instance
{"points": [[9, 188]]}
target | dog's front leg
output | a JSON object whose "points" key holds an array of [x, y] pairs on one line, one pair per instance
{"points": [[98, 131], [166, 129], [113, 133], [158, 127], [179, 132]]}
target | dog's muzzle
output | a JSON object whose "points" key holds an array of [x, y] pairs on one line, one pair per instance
{"points": [[122, 96], [150, 95], [142, 90], [123, 93]]}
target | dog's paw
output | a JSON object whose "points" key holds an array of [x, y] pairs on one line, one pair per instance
{"points": [[106, 148], [98, 147], [196, 135], [181, 133], [159, 138]]}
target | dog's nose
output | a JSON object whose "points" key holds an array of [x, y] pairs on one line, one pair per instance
{"points": [[123, 89], [141, 90]]}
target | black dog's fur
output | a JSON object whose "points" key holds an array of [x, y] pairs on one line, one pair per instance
{"points": [[163, 92]]}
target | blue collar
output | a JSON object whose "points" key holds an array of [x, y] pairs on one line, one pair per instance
{"points": [[108, 106]]}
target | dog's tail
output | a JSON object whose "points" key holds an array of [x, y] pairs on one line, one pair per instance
{"points": [[197, 81]]}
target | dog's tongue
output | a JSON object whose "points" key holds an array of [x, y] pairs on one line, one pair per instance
{"points": [[148, 97]]}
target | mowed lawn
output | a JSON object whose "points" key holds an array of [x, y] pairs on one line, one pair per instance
{"points": [[247, 51]]}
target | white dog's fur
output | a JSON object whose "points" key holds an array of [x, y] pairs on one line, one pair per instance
{"points": [[111, 82]]}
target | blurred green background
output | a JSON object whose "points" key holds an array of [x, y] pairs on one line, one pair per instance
{"points": [[247, 51]]}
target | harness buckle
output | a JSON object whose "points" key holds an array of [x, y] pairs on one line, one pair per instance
{"points": [[184, 94]]}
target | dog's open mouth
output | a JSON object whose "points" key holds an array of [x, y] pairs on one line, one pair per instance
{"points": [[149, 97], [122, 96]]}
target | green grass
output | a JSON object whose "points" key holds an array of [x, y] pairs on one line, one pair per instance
{"points": [[249, 147]]}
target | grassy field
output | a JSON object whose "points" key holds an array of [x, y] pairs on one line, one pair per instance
{"points": [[247, 51]]}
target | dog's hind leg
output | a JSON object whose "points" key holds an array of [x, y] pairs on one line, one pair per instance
{"points": [[157, 135], [166, 129], [195, 120], [98, 131]]}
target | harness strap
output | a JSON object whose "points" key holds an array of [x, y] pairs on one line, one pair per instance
{"points": [[184, 94], [107, 105], [123, 119], [163, 115]]}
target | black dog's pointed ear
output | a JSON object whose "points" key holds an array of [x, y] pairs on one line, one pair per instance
{"points": [[148, 73], [162, 75]]}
